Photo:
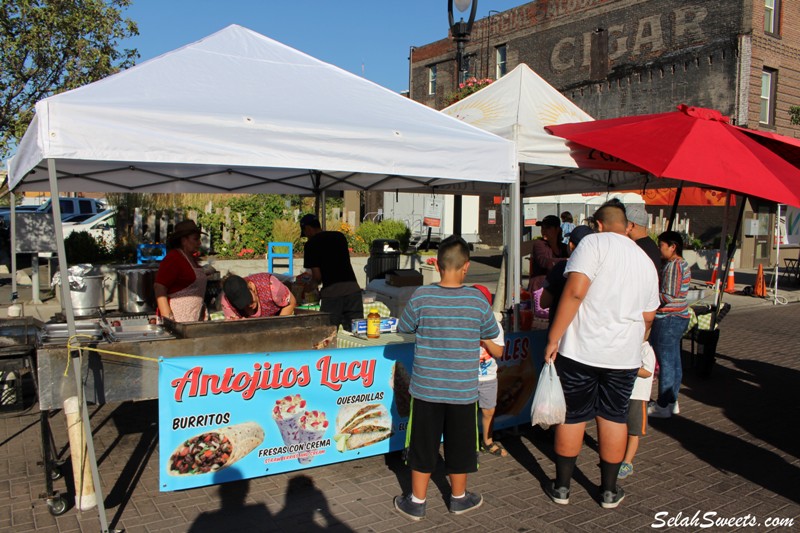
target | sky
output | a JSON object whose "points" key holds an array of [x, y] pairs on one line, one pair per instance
{"points": [[366, 37]]}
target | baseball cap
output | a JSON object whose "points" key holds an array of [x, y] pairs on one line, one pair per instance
{"points": [[550, 221], [579, 233], [309, 220], [485, 292], [237, 292], [637, 214]]}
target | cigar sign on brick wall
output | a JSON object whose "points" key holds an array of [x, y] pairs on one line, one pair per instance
{"points": [[229, 417]]}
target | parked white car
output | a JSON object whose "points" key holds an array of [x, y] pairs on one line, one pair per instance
{"points": [[101, 226]]}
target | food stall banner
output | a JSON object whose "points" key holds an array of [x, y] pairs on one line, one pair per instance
{"points": [[230, 417]]}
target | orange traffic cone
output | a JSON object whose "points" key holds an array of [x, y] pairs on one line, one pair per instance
{"points": [[714, 272], [729, 285], [760, 289]]}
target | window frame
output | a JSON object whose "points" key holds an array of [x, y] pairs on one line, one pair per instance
{"points": [[774, 12], [771, 75], [500, 65], [432, 75]]}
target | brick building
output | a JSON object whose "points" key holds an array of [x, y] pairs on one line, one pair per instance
{"points": [[630, 57]]}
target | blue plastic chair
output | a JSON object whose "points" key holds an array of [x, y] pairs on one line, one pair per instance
{"points": [[147, 253], [272, 255]]}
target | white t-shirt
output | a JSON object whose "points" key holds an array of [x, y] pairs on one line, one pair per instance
{"points": [[608, 330], [643, 386], [487, 370]]}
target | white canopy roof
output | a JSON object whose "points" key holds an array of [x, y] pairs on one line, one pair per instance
{"points": [[239, 112], [517, 107]]}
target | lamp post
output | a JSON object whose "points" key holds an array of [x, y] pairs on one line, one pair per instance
{"points": [[460, 31]]}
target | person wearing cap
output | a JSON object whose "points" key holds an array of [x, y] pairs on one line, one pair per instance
{"points": [[554, 282], [547, 251], [487, 388], [637, 230], [257, 295], [327, 256], [180, 284]]}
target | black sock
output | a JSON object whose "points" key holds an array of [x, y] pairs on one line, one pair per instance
{"points": [[608, 476], [564, 468]]}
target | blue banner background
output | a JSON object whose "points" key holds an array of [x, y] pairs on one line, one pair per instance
{"points": [[521, 363]]}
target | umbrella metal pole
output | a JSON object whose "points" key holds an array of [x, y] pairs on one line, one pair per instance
{"points": [[777, 252], [674, 211], [731, 252]]}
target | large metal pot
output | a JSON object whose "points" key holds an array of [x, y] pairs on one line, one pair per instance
{"points": [[135, 292], [90, 299]]}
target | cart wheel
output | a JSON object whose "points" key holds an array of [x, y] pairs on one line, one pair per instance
{"points": [[55, 472], [57, 506]]}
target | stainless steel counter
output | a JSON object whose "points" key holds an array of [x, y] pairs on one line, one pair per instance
{"points": [[110, 378]]}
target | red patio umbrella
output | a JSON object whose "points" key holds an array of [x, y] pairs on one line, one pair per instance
{"points": [[693, 144]]}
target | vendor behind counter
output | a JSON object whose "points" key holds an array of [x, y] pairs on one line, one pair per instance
{"points": [[180, 284], [257, 295]]}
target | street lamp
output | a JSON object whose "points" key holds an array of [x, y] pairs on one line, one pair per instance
{"points": [[461, 31]]}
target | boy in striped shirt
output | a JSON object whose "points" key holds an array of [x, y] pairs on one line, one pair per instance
{"points": [[451, 322]]}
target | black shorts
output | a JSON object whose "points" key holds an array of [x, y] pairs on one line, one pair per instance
{"points": [[637, 418], [592, 391], [427, 424]]}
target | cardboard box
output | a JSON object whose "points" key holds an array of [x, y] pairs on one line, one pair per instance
{"points": [[359, 326], [404, 278]]}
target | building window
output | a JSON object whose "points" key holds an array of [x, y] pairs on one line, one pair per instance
{"points": [[772, 16], [769, 81], [500, 59], [432, 79]]}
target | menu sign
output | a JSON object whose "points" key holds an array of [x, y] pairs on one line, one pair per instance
{"points": [[229, 417]]}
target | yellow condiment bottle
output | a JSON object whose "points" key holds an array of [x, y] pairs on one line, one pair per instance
{"points": [[373, 324]]}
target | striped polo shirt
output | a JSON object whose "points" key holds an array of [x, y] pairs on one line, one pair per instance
{"points": [[449, 323]]}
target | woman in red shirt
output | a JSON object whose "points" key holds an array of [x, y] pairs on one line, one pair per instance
{"points": [[180, 285]]}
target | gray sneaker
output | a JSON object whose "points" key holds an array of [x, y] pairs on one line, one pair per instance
{"points": [[559, 495], [406, 507], [612, 499], [469, 502], [656, 411]]}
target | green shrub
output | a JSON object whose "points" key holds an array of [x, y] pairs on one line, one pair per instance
{"points": [[386, 229], [285, 231], [81, 247]]}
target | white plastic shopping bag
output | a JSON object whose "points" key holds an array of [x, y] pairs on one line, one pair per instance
{"points": [[549, 407]]}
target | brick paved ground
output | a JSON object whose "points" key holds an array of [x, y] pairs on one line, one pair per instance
{"points": [[734, 450]]}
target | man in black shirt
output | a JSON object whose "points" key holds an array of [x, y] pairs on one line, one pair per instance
{"points": [[638, 221], [328, 258]]}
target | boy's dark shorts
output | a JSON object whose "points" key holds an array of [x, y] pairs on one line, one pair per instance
{"points": [[592, 391], [637, 418], [426, 425]]}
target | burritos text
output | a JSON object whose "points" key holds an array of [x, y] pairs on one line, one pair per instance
{"points": [[268, 376]]}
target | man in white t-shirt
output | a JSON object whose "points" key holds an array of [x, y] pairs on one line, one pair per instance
{"points": [[606, 309]]}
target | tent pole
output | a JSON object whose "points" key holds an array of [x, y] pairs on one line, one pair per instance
{"points": [[66, 302], [13, 250], [674, 211], [322, 199], [514, 245], [731, 251]]}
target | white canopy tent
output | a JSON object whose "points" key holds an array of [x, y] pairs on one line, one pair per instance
{"points": [[237, 112]]}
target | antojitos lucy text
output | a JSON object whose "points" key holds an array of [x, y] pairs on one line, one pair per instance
{"points": [[271, 376]]}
